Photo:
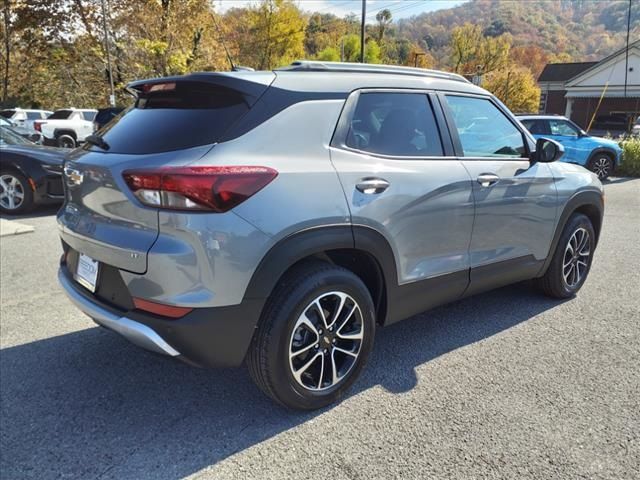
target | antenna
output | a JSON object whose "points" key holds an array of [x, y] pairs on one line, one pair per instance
{"points": [[215, 22]]}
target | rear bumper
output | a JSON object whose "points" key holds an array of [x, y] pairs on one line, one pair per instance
{"points": [[133, 331], [206, 337]]}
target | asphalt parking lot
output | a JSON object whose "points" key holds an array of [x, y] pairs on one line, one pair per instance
{"points": [[508, 384]]}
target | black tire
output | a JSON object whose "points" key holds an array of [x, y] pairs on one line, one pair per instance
{"points": [[602, 165], [553, 283], [66, 140], [268, 358], [21, 184]]}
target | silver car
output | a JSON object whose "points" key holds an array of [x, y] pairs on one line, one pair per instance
{"points": [[277, 218]]}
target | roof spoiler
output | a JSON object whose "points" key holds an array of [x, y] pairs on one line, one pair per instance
{"points": [[250, 84]]}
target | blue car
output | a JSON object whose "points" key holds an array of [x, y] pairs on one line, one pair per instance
{"points": [[599, 155]]}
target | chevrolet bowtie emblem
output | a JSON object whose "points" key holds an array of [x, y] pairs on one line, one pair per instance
{"points": [[73, 176]]}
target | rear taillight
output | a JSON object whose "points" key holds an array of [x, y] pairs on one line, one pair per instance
{"points": [[38, 126], [216, 189]]}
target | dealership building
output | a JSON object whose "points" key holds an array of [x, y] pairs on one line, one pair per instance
{"points": [[578, 90]]}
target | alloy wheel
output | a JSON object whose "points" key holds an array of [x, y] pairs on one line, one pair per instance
{"points": [[601, 167], [11, 192], [576, 258], [326, 340]]}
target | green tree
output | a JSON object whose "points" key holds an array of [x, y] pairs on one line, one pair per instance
{"points": [[329, 54], [384, 19]]}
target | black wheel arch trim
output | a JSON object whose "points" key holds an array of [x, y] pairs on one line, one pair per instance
{"points": [[587, 198], [396, 302], [606, 150]]}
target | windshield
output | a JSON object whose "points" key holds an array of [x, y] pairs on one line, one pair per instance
{"points": [[10, 137]]}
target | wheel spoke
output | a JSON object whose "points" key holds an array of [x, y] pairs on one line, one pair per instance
{"points": [[298, 373], [347, 352], [12, 204], [302, 350], [338, 311], [321, 311], [19, 195], [3, 184], [321, 371]]}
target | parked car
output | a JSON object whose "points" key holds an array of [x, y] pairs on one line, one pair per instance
{"points": [[322, 200], [600, 155], [23, 119], [67, 128], [30, 174], [104, 116]]}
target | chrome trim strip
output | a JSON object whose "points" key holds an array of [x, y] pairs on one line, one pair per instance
{"points": [[133, 331]]}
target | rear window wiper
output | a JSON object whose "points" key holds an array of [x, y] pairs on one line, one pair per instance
{"points": [[98, 141]]}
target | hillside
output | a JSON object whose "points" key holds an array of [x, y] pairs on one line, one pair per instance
{"points": [[572, 30]]}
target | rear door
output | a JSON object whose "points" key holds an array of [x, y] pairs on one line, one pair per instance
{"points": [[172, 125], [514, 201], [398, 180]]}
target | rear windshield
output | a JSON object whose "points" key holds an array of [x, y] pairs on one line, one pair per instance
{"points": [[60, 115], [182, 115]]}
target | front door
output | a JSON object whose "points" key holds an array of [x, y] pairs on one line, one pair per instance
{"points": [[398, 181], [565, 133], [515, 201]]}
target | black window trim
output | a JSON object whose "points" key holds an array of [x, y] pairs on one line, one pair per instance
{"points": [[453, 130], [339, 139]]}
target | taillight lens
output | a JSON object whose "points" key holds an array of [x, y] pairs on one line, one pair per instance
{"points": [[38, 126], [216, 189]]}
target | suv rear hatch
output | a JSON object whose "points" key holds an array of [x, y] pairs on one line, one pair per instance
{"points": [[173, 122]]}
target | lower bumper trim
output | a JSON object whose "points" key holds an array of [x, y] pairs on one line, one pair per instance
{"points": [[135, 332]]}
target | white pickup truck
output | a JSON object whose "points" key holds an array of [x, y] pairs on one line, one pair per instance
{"points": [[66, 128]]}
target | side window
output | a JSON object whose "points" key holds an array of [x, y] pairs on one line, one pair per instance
{"points": [[484, 131], [396, 124], [536, 127], [89, 116], [560, 127], [33, 115]]}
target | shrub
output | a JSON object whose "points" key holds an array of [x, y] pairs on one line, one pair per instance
{"points": [[631, 158]]}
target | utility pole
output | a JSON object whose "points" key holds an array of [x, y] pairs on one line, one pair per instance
{"points": [[415, 57], [626, 57], [364, 14], [112, 97], [342, 50]]}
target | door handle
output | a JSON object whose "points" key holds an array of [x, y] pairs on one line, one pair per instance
{"points": [[372, 186], [487, 179]]}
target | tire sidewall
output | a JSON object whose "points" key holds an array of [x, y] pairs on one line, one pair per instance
{"points": [[576, 222], [65, 136], [301, 297]]}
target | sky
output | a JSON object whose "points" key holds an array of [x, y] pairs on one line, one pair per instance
{"points": [[398, 8]]}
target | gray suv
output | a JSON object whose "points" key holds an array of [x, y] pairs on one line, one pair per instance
{"points": [[277, 218]]}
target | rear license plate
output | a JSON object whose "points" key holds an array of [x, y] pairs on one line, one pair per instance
{"points": [[87, 272]]}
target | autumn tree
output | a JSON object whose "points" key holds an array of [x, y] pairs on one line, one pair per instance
{"points": [[276, 29], [516, 87], [472, 51]]}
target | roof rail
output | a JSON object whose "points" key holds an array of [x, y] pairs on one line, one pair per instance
{"points": [[344, 67]]}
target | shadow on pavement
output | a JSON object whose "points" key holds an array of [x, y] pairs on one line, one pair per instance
{"points": [[40, 211], [89, 404]]}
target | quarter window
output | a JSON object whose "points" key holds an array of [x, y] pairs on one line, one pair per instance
{"points": [[395, 124], [484, 131]]}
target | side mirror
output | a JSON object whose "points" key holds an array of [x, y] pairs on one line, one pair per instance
{"points": [[547, 150]]}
